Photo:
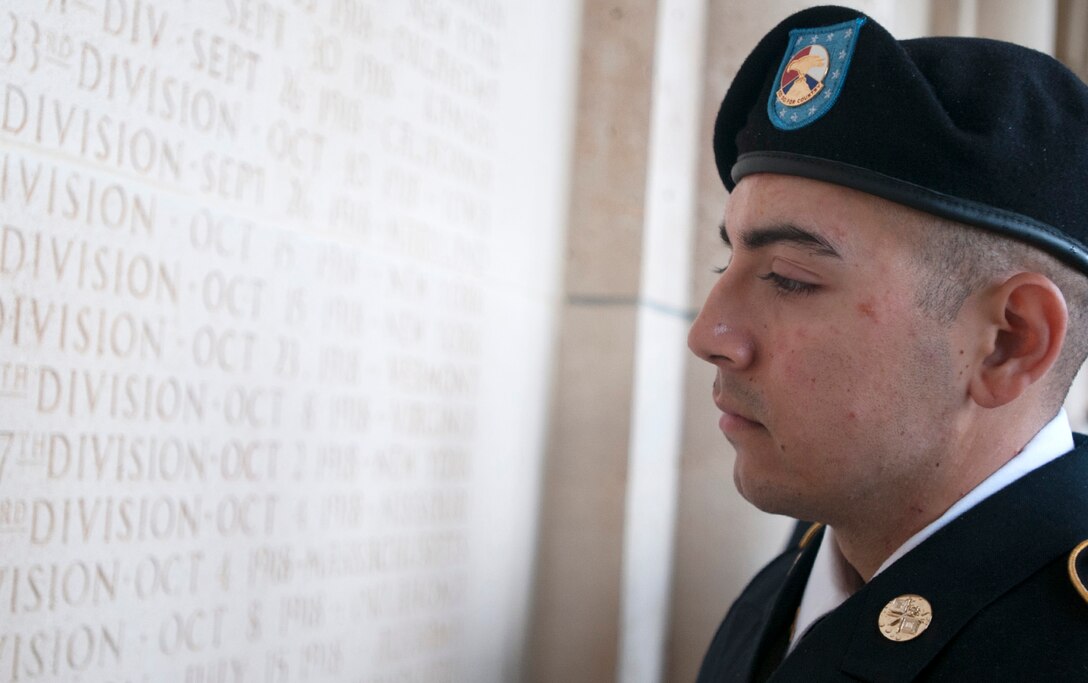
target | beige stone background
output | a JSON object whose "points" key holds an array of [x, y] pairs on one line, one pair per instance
{"points": [[344, 340]]}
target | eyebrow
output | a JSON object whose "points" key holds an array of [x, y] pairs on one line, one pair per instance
{"points": [[784, 233]]}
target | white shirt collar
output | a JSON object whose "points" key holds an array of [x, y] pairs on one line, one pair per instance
{"points": [[832, 579]]}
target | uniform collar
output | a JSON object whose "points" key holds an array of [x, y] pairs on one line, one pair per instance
{"points": [[833, 580], [1053, 440], [960, 569]]}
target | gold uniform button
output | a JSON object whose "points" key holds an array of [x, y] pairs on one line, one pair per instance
{"points": [[905, 618]]}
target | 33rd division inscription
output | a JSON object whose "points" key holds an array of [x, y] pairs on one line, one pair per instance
{"points": [[241, 253]]}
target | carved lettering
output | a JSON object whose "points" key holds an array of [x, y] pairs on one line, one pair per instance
{"points": [[247, 255]]}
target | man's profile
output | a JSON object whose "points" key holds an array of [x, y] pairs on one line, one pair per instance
{"points": [[903, 312]]}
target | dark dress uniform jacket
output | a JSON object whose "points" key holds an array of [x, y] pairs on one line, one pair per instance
{"points": [[1005, 607]]}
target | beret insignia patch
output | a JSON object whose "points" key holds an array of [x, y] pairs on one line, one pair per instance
{"points": [[812, 73]]}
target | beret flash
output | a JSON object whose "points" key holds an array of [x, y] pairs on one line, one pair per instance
{"points": [[979, 131]]}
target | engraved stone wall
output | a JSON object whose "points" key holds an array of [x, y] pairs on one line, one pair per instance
{"points": [[276, 286]]}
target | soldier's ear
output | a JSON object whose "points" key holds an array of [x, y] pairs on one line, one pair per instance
{"points": [[1025, 320]]}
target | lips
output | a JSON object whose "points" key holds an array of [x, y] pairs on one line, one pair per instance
{"points": [[731, 423], [734, 419]]}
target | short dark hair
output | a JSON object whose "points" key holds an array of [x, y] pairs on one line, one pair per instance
{"points": [[956, 260]]}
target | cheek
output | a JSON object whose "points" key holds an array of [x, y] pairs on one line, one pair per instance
{"points": [[810, 357], [878, 312], [827, 375], [868, 311]]}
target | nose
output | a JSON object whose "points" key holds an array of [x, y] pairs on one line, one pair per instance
{"points": [[717, 335]]}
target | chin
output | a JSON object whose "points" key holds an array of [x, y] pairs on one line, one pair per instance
{"points": [[756, 491], [773, 497]]}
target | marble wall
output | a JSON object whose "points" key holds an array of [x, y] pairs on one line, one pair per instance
{"points": [[277, 290]]}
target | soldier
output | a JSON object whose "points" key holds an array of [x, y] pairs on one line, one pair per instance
{"points": [[904, 309]]}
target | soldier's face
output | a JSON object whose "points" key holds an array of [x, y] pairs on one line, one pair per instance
{"points": [[837, 392]]}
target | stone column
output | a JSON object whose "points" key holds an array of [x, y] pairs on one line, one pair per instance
{"points": [[954, 18], [604, 569], [575, 631], [1031, 24], [661, 349], [1072, 35]]}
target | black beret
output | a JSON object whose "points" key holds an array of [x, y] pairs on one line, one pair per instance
{"points": [[979, 131]]}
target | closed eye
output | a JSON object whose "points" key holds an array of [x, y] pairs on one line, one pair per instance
{"points": [[785, 285]]}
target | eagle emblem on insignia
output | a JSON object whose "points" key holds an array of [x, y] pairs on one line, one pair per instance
{"points": [[812, 74], [803, 76]]}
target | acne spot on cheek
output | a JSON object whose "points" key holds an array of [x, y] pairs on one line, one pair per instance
{"points": [[866, 309]]}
